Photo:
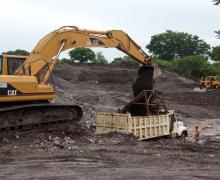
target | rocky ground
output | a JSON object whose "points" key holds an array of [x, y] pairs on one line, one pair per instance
{"points": [[74, 151]]}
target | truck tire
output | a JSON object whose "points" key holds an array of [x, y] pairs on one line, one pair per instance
{"points": [[183, 136]]}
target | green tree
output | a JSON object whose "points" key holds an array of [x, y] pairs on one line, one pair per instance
{"points": [[117, 60], [171, 45], [130, 60], [216, 2], [17, 52], [126, 59], [193, 66], [216, 69], [217, 34], [163, 63], [99, 59], [65, 60], [82, 55], [215, 54]]}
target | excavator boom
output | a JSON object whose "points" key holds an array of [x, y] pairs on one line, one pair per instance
{"points": [[43, 57]]}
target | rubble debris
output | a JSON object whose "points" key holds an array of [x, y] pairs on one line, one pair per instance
{"points": [[177, 93], [78, 143], [5, 140], [144, 80], [57, 141]]}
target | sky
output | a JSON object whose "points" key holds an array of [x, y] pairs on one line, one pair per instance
{"points": [[25, 22]]}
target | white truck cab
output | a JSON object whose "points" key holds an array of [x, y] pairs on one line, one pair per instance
{"points": [[178, 128]]}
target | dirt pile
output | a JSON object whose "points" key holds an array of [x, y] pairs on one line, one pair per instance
{"points": [[144, 80], [96, 73], [45, 138], [75, 150], [117, 139], [113, 156], [109, 87], [103, 94], [89, 113]]}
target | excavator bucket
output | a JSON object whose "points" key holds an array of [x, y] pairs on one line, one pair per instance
{"points": [[146, 100], [157, 72], [144, 80]]}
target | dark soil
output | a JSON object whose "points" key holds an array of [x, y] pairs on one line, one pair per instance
{"points": [[116, 157], [74, 151]]}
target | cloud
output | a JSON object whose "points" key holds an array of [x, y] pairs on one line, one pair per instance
{"points": [[24, 22]]}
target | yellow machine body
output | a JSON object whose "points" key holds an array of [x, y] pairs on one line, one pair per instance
{"points": [[24, 88], [15, 88], [210, 82], [10, 63], [26, 78]]}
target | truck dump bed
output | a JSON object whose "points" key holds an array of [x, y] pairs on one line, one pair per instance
{"points": [[144, 127]]}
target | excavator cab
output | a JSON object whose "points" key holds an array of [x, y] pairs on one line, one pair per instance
{"points": [[9, 63]]}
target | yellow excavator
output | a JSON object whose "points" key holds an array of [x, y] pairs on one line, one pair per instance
{"points": [[208, 83], [25, 94]]}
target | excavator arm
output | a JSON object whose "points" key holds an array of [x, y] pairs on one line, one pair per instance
{"points": [[43, 58], [24, 97]]}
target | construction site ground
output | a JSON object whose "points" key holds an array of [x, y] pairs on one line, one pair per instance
{"points": [[73, 151]]}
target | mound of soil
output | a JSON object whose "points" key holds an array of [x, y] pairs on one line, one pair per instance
{"points": [[78, 153], [144, 80]]}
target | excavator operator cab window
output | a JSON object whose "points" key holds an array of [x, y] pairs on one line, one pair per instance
{"points": [[13, 64]]}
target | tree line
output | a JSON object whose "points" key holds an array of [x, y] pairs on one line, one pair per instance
{"points": [[187, 54]]}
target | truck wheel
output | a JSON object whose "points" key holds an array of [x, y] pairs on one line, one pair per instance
{"points": [[182, 137]]}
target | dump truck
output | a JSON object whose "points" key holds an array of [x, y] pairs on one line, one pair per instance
{"points": [[158, 121], [143, 127]]}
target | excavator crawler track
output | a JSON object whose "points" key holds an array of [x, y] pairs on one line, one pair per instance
{"points": [[42, 113]]}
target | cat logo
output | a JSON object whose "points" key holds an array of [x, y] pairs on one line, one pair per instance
{"points": [[96, 42], [12, 92]]}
